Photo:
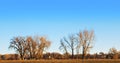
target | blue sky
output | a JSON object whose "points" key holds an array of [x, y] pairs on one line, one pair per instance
{"points": [[58, 18]]}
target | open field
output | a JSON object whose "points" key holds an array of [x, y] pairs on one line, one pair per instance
{"points": [[59, 61]]}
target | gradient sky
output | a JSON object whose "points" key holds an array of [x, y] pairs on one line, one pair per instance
{"points": [[58, 18]]}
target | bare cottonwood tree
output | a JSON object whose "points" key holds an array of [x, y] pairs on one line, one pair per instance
{"points": [[69, 43], [20, 45], [86, 39], [43, 44], [32, 47]]}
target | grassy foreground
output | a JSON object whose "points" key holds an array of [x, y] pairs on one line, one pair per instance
{"points": [[60, 61]]}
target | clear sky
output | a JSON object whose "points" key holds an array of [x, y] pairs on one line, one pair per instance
{"points": [[58, 18]]}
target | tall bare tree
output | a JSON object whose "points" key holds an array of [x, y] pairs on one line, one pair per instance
{"points": [[64, 48], [32, 47], [20, 45], [43, 44], [86, 39], [69, 43]]}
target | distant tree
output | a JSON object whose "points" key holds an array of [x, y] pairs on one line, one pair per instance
{"points": [[86, 39], [102, 55], [113, 53], [47, 55], [95, 56], [55, 55], [20, 45], [69, 44], [66, 55]]}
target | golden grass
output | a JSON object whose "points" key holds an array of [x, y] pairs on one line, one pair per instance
{"points": [[61, 61]]}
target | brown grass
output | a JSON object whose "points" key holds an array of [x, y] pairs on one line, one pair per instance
{"points": [[60, 61]]}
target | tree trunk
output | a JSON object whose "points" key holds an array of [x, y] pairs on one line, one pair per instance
{"points": [[83, 53], [72, 53], [21, 56]]}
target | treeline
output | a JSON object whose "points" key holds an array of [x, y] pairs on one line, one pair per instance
{"points": [[75, 46], [48, 56]]}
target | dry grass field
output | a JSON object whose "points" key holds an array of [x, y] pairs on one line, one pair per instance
{"points": [[59, 61]]}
